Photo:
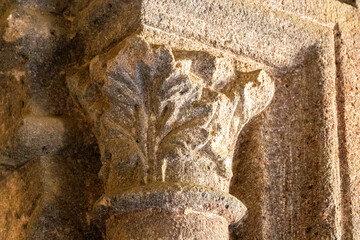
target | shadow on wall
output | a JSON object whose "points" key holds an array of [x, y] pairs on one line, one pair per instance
{"points": [[283, 166]]}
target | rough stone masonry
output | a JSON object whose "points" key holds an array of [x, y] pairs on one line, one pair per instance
{"points": [[179, 119]]}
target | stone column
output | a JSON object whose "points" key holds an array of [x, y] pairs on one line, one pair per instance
{"points": [[167, 122]]}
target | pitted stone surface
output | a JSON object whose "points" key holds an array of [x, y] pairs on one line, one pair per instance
{"points": [[158, 119], [164, 116], [172, 197]]}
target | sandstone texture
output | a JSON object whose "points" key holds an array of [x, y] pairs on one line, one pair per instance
{"points": [[181, 119]]}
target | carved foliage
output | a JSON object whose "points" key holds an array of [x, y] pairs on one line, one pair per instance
{"points": [[164, 116]]}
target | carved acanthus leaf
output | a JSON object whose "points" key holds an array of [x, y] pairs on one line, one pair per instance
{"points": [[161, 115]]}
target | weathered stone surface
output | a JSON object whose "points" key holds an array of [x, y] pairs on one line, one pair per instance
{"points": [[162, 116], [167, 116], [157, 119]]}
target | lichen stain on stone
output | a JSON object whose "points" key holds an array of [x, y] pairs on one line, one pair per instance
{"points": [[17, 28]]}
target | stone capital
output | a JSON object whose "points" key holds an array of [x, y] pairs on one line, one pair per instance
{"points": [[136, 119], [168, 117]]}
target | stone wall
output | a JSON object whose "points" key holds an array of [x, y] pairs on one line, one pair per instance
{"points": [[182, 119]]}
